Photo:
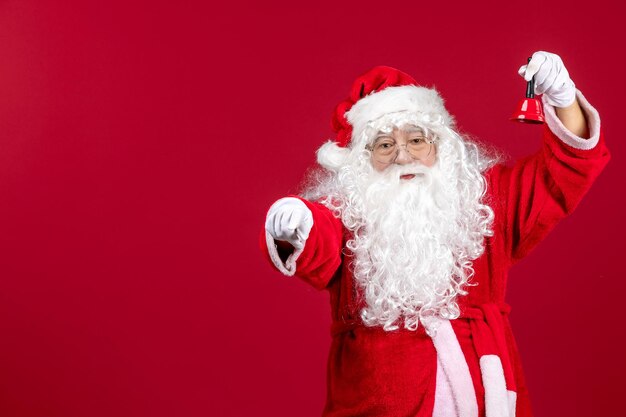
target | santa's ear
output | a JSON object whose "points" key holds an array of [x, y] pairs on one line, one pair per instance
{"points": [[331, 156]]}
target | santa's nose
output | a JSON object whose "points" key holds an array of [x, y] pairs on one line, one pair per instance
{"points": [[404, 157]]}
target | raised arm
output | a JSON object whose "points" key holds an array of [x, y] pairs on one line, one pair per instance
{"points": [[573, 119], [538, 191]]}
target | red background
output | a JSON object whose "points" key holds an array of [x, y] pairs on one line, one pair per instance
{"points": [[140, 146]]}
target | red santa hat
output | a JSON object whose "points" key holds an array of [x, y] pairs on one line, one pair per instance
{"points": [[377, 93]]}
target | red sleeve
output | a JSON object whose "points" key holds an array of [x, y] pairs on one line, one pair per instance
{"points": [[321, 256], [538, 191]]}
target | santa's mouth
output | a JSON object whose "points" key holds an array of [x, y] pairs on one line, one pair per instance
{"points": [[407, 176]]}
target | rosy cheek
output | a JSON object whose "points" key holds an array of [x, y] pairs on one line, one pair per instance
{"points": [[378, 166], [430, 161]]}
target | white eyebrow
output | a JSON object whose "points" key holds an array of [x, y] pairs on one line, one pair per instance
{"points": [[382, 134], [414, 129]]}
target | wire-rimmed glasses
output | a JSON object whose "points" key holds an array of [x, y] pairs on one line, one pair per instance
{"points": [[385, 149]]}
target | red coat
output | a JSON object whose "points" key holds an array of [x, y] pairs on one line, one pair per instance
{"points": [[376, 373]]}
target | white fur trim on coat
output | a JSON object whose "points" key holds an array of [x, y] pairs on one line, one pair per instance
{"points": [[512, 402], [499, 402], [444, 397], [452, 360], [593, 123]]}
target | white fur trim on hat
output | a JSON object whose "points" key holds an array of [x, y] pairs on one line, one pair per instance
{"points": [[406, 99]]}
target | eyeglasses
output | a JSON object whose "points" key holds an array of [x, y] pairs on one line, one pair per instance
{"points": [[385, 150]]}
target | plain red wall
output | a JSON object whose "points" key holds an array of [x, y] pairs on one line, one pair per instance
{"points": [[140, 145]]}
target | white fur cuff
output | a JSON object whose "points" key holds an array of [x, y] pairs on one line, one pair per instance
{"points": [[289, 266], [593, 123]]}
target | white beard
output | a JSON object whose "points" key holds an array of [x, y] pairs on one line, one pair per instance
{"points": [[411, 253], [414, 240]]}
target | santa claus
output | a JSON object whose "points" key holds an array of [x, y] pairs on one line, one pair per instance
{"points": [[412, 228]]}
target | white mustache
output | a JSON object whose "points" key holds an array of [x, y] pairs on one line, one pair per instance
{"points": [[395, 172]]}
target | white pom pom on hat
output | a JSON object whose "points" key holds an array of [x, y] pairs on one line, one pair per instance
{"points": [[332, 156]]}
